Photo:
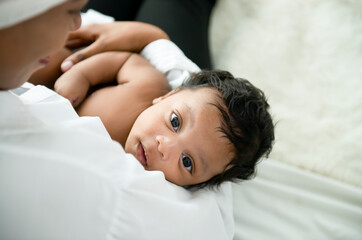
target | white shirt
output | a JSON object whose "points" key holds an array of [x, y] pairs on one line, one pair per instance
{"points": [[62, 177], [170, 60]]}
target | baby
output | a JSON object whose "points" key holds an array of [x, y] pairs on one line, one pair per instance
{"points": [[214, 128]]}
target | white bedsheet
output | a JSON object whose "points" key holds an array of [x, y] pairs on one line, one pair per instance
{"points": [[285, 202], [306, 56]]}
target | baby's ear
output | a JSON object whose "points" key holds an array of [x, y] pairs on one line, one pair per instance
{"points": [[159, 99]]}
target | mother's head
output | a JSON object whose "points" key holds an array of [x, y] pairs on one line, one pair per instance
{"points": [[30, 31]]}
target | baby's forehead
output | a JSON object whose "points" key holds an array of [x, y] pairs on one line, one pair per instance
{"points": [[201, 100], [209, 93]]}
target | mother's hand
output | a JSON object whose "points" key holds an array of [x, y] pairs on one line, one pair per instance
{"points": [[116, 36]]}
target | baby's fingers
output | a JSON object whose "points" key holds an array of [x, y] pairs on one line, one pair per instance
{"points": [[72, 87]]}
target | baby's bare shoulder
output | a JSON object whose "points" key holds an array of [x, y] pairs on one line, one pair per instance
{"points": [[142, 77]]}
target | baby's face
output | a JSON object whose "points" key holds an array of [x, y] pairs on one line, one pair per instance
{"points": [[180, 136]]}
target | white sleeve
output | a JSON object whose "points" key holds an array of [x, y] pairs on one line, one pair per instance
{"points": [[170, 60], [93, 16]]}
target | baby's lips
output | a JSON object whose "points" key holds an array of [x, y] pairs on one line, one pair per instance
{"points": [[141, 156]]}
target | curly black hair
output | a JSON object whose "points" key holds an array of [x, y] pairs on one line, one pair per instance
{"points": [[246, 123]]}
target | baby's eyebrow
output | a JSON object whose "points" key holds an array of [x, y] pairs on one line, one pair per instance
{"points": [[190, 112], [201, 156], [200, 164], [202, 160]]}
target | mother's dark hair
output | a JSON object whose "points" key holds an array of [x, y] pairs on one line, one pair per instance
{"points": [[246, 122]]}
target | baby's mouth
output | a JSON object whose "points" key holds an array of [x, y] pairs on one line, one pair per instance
{"points": [[141, 155]]}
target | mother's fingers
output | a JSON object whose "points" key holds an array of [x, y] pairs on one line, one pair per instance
{"points": [[77, 43], [87, 32], [80, 55]]}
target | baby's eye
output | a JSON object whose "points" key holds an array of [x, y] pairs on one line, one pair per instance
{"points": [[175, 123], [186, 161]]}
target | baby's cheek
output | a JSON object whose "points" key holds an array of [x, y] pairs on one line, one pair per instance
{"points": [[173, 176]]}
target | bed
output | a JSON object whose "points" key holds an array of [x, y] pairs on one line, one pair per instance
{"points": [[307, 57]]}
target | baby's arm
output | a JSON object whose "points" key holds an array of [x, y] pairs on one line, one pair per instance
{"points": [[118, 106], [98, 69]]}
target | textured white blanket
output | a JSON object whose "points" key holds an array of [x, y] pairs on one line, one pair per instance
{"points": [[307, 57]]}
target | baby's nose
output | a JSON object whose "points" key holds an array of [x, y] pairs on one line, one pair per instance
{"points": [[167, 147]]}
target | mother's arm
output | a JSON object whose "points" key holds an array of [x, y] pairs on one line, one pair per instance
{"points": [[116, 36]]}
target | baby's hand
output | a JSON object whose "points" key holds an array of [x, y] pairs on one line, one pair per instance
{"points": [[73, 86]]}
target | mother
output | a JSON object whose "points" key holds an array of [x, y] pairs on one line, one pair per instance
{"points": [[52, 187]]}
